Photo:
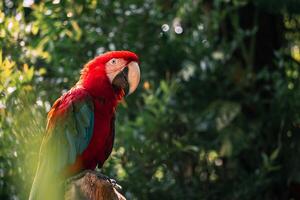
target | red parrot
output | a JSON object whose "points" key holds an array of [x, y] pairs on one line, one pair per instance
{"points": [[80, 125]]}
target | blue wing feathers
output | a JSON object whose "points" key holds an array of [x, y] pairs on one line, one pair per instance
{"points": [[80, 128], [84, 124]]}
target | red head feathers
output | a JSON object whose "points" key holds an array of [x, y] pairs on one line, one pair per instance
{"points": [[94, 78]]}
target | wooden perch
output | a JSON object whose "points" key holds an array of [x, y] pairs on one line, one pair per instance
{"points": [[91, 185]]}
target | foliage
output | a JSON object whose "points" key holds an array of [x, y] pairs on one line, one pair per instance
{"points": [[216, 115], [21, 126]]}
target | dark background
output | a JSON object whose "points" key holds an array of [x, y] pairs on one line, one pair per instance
{"points": [[217, 113]]}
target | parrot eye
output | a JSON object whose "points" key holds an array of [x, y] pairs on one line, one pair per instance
{"points": [[113, 61]]}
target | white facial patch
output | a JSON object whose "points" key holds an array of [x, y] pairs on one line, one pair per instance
{"points": [[113, 67]]}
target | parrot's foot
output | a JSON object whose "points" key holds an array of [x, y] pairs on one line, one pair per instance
{"points": [[115, 184], [111, 180]]}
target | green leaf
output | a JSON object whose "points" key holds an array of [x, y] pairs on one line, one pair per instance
{"points": [[275, 154]]}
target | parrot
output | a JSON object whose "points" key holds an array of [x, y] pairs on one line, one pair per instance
{"points": [[80, 126]]}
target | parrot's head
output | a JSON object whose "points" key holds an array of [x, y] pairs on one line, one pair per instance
{"points": [[119, 69]]}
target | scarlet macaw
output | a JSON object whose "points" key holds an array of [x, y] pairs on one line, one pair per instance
{"points": [[80, 125]]}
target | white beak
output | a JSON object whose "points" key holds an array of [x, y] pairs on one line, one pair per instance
{"points": [[134, 75]]}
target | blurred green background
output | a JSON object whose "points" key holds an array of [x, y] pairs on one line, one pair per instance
{"points": [[217, 113]]}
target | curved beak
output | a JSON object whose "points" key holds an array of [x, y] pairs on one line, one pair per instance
{"points": [[128, 79], [134, 76]]}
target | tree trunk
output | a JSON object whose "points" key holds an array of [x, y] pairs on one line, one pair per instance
{"points": [[91, 185]]}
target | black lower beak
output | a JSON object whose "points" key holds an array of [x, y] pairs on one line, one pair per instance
{"points": [[121, 81]]}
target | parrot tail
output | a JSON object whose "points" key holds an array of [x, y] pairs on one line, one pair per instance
{"points": [[46, 185]]}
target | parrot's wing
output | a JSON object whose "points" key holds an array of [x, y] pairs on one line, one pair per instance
{"points": [[69, 131]]}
